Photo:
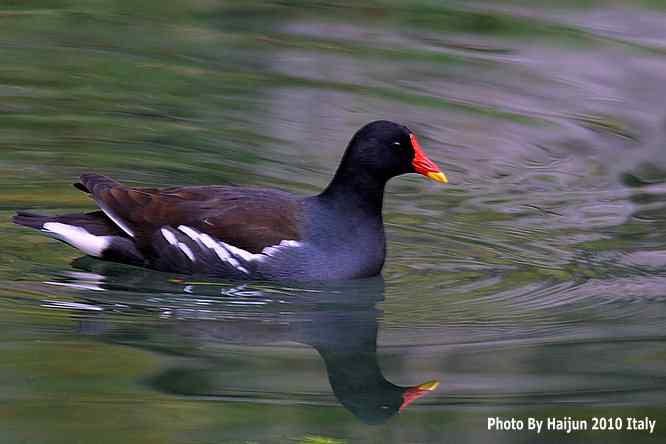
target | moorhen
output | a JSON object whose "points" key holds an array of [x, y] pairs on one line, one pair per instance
{"points": [[250, 233]]}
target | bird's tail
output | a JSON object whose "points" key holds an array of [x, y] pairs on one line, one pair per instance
{"points": [[31, 220], [92, 233]]}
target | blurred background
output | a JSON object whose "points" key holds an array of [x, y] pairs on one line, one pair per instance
{"points": [[534, 284]]}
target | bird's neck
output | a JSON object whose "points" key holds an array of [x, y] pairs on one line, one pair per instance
{"points": [[352, 188], [350, 353], [353, 372]]}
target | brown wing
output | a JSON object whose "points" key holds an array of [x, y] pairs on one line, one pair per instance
{"points": [[251, 219]]}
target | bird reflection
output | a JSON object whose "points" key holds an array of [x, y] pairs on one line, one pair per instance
{"points": [[340, 321]]}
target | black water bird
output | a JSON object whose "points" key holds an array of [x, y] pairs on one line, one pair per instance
{"points": [[250, 233]]}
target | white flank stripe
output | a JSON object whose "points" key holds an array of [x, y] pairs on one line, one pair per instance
{"points": [[116, 220], [226, 252], [168, 235], [246, 255], [221, 253], [208, 241], [185, 249], [270, 251], [290, 243], [78, 237], [192, 234], [234, 263]]}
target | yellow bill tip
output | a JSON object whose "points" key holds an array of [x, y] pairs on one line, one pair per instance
{"points": [[438, 176], [430, 385]]}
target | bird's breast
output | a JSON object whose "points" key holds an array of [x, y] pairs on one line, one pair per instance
{"points": [[351, 250]]}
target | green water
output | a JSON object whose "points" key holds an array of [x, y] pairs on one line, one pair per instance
{"points": [[533, 285]]}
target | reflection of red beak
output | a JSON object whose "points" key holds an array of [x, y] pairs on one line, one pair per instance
{"points": [[413, 393], [423, 165]]}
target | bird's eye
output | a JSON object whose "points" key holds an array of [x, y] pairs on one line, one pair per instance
{"points": [[385, 407], [396, 143]]}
